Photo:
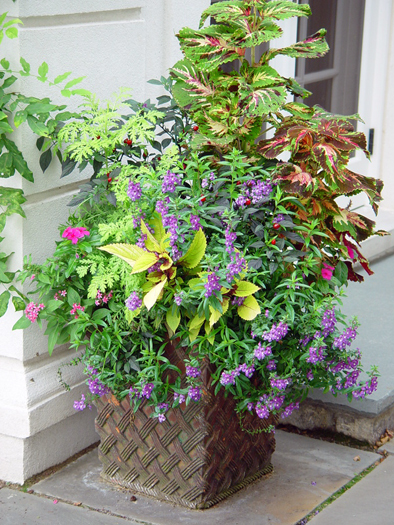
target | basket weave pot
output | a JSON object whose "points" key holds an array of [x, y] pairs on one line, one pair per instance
{"points": [[196, 458]]}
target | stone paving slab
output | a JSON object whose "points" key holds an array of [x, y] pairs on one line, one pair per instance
{"points": [[368, 502], [306, 472], [19, 508]]}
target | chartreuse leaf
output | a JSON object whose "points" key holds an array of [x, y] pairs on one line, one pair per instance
{"points": [[195, 252], [173, 319], [244, 289], [211, 339], [250, 309], [150, 242], [151, 297], [214, 317], [128, 252], [144, 262], [282, 9], [4, 298], [159, 232]]}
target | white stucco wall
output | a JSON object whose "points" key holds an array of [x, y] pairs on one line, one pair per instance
{"points": [[117, 43]]}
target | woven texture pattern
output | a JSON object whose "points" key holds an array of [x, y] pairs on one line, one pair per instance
{"points": [[196, 458]]}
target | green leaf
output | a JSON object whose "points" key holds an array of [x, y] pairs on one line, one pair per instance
{"points": [[250, 309], [19, 304], [25, 65], [173, 319], [9, 81], [195, 252], [36, 126], [244, 289], [11, 32], [5, 127], [20, 117], [74, 82], [12, 22], [22, 323], [2, 17], [43, 71], [4, 298], [81, 92], [341, 272], [39, 107], [53, 336], [72, 296], [5, 64], [45, 159], [62, 77]]}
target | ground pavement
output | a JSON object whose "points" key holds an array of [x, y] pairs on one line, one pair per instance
{"points": [[307, 472]]}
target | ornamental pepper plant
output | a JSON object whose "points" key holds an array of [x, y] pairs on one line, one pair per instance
{"points": [[216, 244]]}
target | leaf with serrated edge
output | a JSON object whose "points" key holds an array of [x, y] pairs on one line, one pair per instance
{"points": [[244, 289], [152, 296], [144, 262], [128, 252], [195, 252], [214, 317], [196, 322], [250, 309]]}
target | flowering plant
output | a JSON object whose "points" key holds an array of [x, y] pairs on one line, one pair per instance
{"points": [[215, 244]]}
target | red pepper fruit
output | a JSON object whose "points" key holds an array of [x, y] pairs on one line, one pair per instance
{"points": [[109, 179], [195, 127], [203, 199], [276, 226], [247, 202], [273, 241], [238, 182]]}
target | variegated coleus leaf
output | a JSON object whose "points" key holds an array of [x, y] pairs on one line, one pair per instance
{"points": [[261, 101], [314, 46], [350, 183], [299, 110], [294, 179], [271, 148], [226, 11], [251, 35], [283, 9], [210, 47], [265, 76], [296, 89], [358, 226], [192, 86], [328, 157]]}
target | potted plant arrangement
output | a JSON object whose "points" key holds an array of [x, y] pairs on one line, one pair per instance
{"points": [[203, 283]]}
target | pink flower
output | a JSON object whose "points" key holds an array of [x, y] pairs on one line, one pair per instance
{"points": [[73, 234], [327, 271]]}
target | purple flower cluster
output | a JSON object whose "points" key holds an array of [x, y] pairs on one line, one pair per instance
{"points": [[280, 384], [81, 405], [238, 301], [161, 207], [262, 411], [328, 322], [366, 390], [260, 352], [192, 371], [181, 398], [195, 222], [145, 392], [276, 333], [271, 365], [194, 393], [228, 378], [212, 284], [289, 409], [273, 402], [141, 241], [237, 265], [170, 180], [178, 297], [345, 339], [260, 189], [315, 355], [134, 191], [133, 302], [96, 387], [240, 201], [230, 239]]}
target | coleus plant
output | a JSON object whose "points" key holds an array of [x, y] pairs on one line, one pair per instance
{"points": [[233, 108]]}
